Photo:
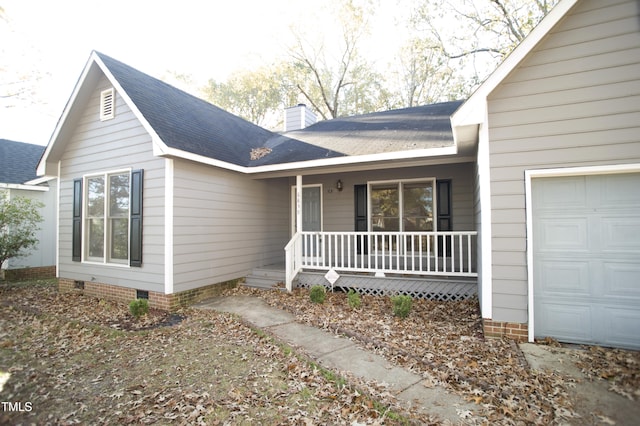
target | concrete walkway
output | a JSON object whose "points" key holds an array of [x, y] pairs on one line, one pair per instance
{"points": [[341, 354]]}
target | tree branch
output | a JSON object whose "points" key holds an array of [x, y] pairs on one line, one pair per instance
{"points": [[310, 99], [473, 52], [517, 32]]}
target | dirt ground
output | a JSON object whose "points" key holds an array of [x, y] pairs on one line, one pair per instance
{"points": [[76, 359], [544, 383]]}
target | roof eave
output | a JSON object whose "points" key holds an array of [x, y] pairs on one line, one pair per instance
{"points": [[24, 187], [40, 180], [312, 164]]}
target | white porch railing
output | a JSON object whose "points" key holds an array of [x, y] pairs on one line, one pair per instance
{"points": [[408, 253]]}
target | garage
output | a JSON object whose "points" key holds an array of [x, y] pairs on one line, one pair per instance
{"points": [[586, 258]]}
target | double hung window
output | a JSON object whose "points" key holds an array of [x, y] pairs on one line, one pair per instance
{"points": [[403, 206], [107, 218]]}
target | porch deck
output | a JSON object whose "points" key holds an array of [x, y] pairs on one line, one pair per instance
{"points": [[432, 288]]}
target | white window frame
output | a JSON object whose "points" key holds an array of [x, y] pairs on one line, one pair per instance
{"points": [[400, 183], [106, 258]]}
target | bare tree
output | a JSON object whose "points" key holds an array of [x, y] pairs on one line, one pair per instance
{"points": [[474, 36], [253, 95], [18, 82], [332, 75], [424, 75]]}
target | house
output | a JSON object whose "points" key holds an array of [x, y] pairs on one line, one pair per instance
{"points": [[18, 178], [166, 196], [162, 195]]}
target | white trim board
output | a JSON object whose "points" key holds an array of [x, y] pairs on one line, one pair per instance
{"points": [[168, 226]]}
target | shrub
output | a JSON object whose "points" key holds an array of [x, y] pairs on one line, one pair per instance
{"points": [[318, 294], [139, 307], [19, 225], [401, 305], [354, 299]]}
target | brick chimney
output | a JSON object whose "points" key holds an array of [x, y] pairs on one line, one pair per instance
{"points": [[298, 117]]}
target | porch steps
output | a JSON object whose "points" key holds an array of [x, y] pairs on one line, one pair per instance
{"points": [[265, 278]]}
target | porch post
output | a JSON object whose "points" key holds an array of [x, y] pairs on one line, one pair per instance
{"points": [[298, 203]]}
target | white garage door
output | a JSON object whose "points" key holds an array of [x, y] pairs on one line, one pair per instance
{"points": [[586, 259]]}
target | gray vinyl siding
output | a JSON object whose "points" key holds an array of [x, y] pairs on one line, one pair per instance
{"points": [[44, 253], [339, 206], [101, 146], [574, 101], [225, 224], [298, 117]]}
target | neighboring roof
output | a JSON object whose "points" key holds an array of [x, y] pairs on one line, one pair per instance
{"points": [[18, 161]]}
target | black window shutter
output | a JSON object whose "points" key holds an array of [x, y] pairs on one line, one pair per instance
{"points": [[444, 205], [444, 211], [361, 224], [76, 232], [135, 255]]}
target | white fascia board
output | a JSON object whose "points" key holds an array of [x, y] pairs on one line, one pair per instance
{"points": [[166, 151], [23, 187], [38, 181], [473, 110], [346, 160], [298, 165]]}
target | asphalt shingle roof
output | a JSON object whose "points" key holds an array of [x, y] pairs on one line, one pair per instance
{"points": [[193, 125], [421, 127], [18, 161]]}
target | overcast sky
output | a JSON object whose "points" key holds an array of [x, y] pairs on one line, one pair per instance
{"points": [[204, 38]]}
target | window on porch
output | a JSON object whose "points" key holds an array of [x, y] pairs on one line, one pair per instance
{"points": [[402, 206]]}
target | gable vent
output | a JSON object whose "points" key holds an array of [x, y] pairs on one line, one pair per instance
{"points": [[107, 104]]}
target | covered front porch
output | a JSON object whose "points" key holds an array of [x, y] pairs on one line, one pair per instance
{"points": [[390, 230]]}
